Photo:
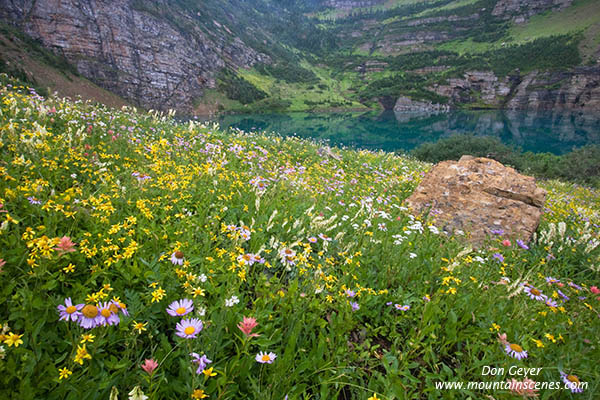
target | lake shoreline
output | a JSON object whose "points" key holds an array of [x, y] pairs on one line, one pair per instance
{"points": [[556, 132]]}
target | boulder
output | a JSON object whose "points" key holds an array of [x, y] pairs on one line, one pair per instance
{"points": [[479, 196]]}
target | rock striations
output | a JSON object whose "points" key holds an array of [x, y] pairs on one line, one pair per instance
{"points": [[144, 59], [575, 90]]}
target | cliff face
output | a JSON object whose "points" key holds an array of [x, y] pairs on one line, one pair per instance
{"points": [[139, 56], [574, 90], [519, 10], [350, 4], [578, 89]]}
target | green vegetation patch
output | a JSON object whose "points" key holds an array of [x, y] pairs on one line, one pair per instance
{"points": [[289, 72], [238, 88]]}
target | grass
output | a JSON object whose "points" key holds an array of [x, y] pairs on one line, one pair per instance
{"points": [[581, 15], [302, 96], [451, 6], [354, 296]]}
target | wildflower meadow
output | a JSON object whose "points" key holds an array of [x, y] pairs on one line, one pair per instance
{"points": [[146, 258]]}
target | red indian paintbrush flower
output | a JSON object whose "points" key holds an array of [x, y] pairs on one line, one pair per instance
{"points": [[65, 245], [247, 325], [149, 366]]}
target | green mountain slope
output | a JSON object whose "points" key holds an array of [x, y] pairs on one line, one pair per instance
{"points": [[291, 55]]}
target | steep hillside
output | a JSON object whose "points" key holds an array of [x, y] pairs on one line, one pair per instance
{"points": [[46, 72], [291, 55], [473, 54]]}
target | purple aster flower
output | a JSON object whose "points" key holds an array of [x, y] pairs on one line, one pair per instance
{"points": [[201, 361], [266, 358], [564, 296], [108, 317], [90, 317], [188, 328], [33, 200], [515, 351], [402, 307], [551, 303], [522, 244], [350, 293], [497, 231], [389, 303], [551, 280], [177, 258], [355, 306], [498, 257], [535, 294], [117, 303], [69, 311], [180, 308], [575, 286], [572, 382]]}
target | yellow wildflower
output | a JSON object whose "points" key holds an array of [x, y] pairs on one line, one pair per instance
{"points": [[538, 343], [199, 394], [158, 294], [87, 337], [69, 268], [12, 339], [82, 354], [208, 372], [139, 326], [64, 373]]}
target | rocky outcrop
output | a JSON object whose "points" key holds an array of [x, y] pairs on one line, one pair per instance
{"points": [[436, 20], [519, 11], [405, 104], [479, 197], [145, 59], [401, 43], [576, 89], [475, 87], [350, 4]]}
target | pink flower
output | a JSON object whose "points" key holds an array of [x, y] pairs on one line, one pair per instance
{"points": [[525, 388], [594, 289], [506, 243], [502, 339], [65, 245], [149, 366], [247, 325], [2, 263]]}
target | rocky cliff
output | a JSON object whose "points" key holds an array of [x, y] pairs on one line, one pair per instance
{"points": [[577, 89], [350, 4], [519, 10], [165, 54], [146, 59]]}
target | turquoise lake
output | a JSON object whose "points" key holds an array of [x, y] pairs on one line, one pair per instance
{"points": [[555, 132]]}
